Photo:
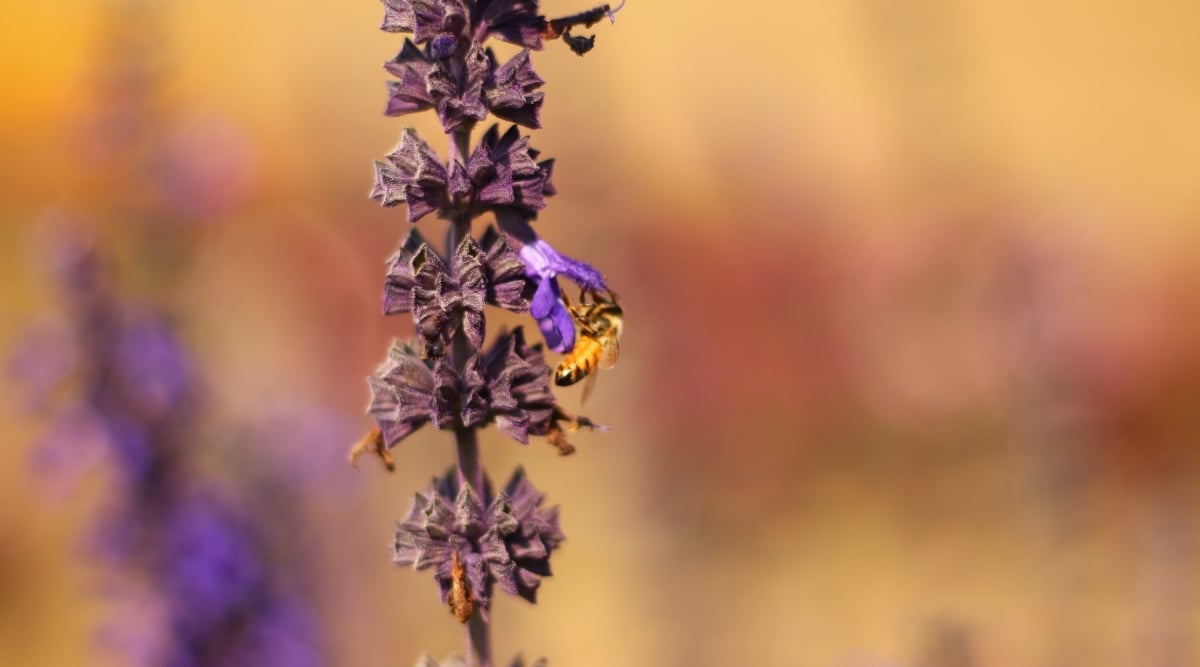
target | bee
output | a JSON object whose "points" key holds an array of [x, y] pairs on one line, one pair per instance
{"points": [[462, 603], [600, 324]]}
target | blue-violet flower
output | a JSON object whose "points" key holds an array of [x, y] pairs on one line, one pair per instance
{"points": [[543, 264]]}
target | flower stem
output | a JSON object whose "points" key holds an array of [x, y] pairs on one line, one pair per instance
{"points": [[470, 466], [469, 463], [479, 641], [460, 144], [470, 471]]}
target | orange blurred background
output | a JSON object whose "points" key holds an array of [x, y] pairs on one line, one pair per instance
{"points": [[912, 355]]}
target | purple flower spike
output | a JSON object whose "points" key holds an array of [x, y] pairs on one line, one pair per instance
{"points": [[472, 538], [542, 266], [554, 320], [503, 540], [413, 175]]}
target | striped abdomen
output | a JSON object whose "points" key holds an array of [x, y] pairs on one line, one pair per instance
{"points": [[582, 360]]}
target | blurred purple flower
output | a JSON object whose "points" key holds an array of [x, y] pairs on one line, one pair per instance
{"points": [[42, 360], [112, 373], [154, 371], [209, 563], [75, 442], [292, 439], [204, 168], [129, 395], [503, 539]]}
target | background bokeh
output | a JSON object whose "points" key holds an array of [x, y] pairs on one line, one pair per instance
{"points": [[911, 366]]}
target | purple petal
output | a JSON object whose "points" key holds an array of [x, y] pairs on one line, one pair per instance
{"points": [[542, 259], [564, 329], [545, 298], [554, 320]]}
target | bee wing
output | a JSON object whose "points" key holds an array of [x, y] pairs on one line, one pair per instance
{"points": [[589, 383], [608, 356]]}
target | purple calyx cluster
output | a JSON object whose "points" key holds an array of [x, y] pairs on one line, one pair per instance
{"points": [[504, 539], [474, 540]]}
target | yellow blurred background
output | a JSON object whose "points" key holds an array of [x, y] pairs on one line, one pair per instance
{"points": [[912, 355]]}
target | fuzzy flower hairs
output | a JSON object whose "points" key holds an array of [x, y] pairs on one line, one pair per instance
{"points": [[474, 537]]}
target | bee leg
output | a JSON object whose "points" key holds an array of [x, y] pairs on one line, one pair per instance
{"points": [[557, 434], [372, 443]]}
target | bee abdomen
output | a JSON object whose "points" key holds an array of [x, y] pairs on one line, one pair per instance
{"points": [[570, 374], [576, 366]]}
